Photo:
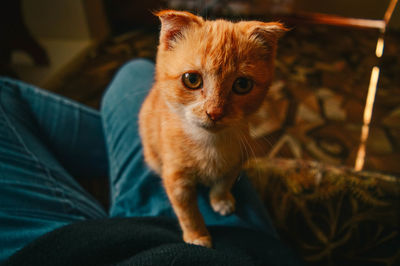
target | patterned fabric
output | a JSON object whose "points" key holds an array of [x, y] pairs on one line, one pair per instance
{"points": [[331, 215]]}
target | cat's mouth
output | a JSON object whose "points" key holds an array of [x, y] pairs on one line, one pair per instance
{"points": [[211, 126]]}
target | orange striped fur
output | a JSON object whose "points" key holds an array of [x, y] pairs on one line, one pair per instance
{"points": [[199, 136]]}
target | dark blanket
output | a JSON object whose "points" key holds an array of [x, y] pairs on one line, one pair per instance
{"points": [[149, 241]]}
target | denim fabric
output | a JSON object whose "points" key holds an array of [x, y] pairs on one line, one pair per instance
{"points": [[45, 140], [37, 192], [135, 190]]}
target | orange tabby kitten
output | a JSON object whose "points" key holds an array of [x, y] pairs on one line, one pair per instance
{"points": [[210, 76]]}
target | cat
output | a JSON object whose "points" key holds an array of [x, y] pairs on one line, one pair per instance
{"points": [[210, 77]]}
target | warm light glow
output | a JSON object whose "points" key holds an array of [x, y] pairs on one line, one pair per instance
{"points": [[369, 105], [373, 83], [389, 11], [360, 158], [379, 47]]}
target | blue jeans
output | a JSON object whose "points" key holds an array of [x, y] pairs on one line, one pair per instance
{"points": [[46, 140]]}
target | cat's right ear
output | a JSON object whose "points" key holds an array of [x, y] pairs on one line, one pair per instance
{"points": [[173, 23]]}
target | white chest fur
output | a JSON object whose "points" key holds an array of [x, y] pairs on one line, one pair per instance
{"points": [[215, 155]]}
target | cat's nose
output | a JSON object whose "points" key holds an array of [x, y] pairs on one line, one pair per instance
{"points": [[215, 114]]}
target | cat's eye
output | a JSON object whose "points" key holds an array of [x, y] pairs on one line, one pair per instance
{"points": [[192, 80], [242, 85]]}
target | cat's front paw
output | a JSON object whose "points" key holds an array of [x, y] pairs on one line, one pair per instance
{"points": [[204, 241], [223, 206]]}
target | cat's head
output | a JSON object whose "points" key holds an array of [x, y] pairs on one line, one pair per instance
{"points": [[214, 74]]}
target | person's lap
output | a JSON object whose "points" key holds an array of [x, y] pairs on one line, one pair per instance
{"points": [[46, 140], [37, 194]]}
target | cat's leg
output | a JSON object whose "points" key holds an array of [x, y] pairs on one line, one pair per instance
{"points": [[221, 198], [183, 197]]}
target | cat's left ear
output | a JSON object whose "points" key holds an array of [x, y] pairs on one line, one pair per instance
{"points": [[173, 23], [267, 33]]}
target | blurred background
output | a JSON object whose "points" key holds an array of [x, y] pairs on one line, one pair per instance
{"points": [[335, 100], [317, 103]]}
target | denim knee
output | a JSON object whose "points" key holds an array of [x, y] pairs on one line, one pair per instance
{"points": [[125, 81], [9, 84]]}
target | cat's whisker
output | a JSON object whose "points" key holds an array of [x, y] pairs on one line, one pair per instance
{"points": [[268, 145], [245, 148], [251, 148], [238, 126], [264, 146], [246, 141], [266, 140], [282, 152], [241, 148], [242, 152], [258, 170]]}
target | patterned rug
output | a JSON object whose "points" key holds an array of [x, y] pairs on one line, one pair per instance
{"points": [[331, 215]]}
